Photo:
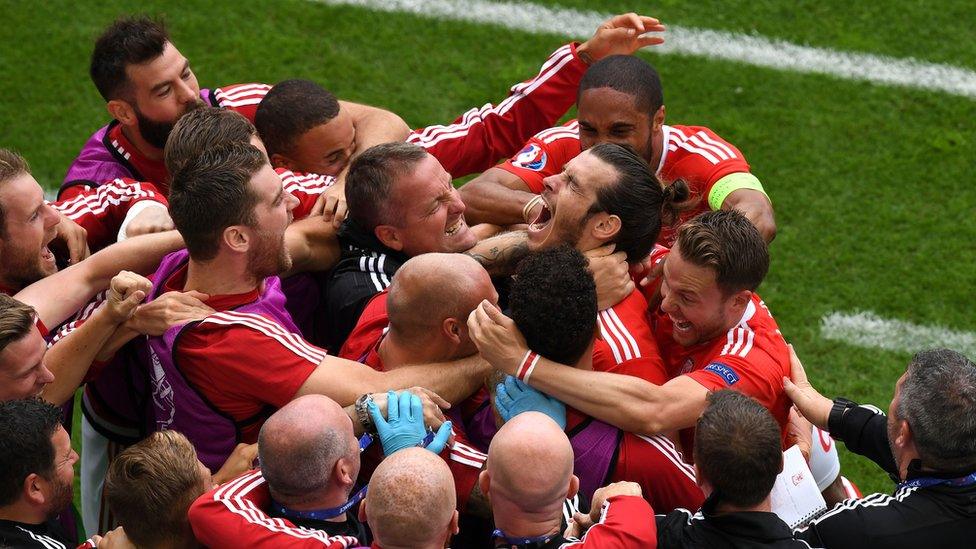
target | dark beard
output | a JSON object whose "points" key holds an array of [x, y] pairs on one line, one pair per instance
{"points": [[156, 133], [61, 499]]}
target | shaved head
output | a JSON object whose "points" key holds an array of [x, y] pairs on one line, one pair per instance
{"points": [[430, 288], [530, 464], [300, 444], [411, 500]]}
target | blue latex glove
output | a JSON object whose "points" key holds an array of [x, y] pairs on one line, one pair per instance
{"points": [[403, 426], [514, 397]]}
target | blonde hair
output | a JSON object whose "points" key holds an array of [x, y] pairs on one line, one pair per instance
{"points": [[150, 487]]}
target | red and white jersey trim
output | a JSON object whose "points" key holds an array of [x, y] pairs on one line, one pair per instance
{"points": [[231, 495], [433, 135], [105, 196], [241, 95], [739, 339], [292, 342], [308, 183], [669, 451], [569, 131], [699, 143], [462, 453], [618, 338]]}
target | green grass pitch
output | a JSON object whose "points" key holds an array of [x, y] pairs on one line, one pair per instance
{"points": [[873, 186]]}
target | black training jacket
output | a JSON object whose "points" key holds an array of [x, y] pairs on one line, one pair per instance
{"points": [[913, 517]]}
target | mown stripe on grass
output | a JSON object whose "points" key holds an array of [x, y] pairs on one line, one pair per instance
{"points": [[866, 329], [750, 49]]}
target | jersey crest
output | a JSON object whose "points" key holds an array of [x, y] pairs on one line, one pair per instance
{"points": [[532, 157]]}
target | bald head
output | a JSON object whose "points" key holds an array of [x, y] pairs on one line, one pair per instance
{"points": [[530, 463], [411, 500], [430, 288], [300, 444]]}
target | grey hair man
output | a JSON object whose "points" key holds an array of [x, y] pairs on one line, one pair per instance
{"points": [[926, 443]]}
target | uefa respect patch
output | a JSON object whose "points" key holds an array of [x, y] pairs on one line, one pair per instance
{"points": [[532, 157], [723, 371]]}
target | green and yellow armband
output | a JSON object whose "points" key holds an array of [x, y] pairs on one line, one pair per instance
{"points": [[732, 182]]}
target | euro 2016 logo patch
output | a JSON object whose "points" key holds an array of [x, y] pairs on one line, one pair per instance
{"points": [[532, 157], [723, 371]]}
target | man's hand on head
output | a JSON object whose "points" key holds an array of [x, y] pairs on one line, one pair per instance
{"points": [[497, 337], [512, 397], [621, 35], [808, 401], [611, 273]]}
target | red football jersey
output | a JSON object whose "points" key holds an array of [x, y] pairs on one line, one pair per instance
{"points": [[692, 153], [102, 210], [242, 385], [752, 357], [481, 136], [625, 338], [626, 345], [306, 187], [233, 514]]}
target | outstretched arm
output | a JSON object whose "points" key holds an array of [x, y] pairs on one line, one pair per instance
{"points": [[498, 196], [627, 402], [757, 207], [454, 381], [312, 245]]}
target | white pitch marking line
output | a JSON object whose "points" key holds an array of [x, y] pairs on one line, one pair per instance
{"points": [[711, 44], [866, 329]]}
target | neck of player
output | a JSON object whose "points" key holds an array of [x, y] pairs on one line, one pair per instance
{"points": [[220, 276]]}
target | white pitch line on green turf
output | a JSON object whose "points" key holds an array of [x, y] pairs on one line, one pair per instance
{"points": [[866, 329], [712, 44]]}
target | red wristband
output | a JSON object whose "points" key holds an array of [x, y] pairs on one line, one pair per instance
{"points": [[528, 364]]}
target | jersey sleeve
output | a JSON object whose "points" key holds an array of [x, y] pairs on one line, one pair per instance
{"points": [[102, 210], [272, 370], [240, 98], [625, 521], [306, 187], [481, 136], [757, 374], [544, 154], [705, 158], [233, 515]]}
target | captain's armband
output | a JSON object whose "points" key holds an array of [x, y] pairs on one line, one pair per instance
{"points": [[732, 182]]}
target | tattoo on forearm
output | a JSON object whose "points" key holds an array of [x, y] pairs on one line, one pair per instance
{"points": [[501, 260]]}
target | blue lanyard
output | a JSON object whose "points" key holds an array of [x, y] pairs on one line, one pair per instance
{"points": [[326, 514], [320, 514], [925, 482], [538, 540]]}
